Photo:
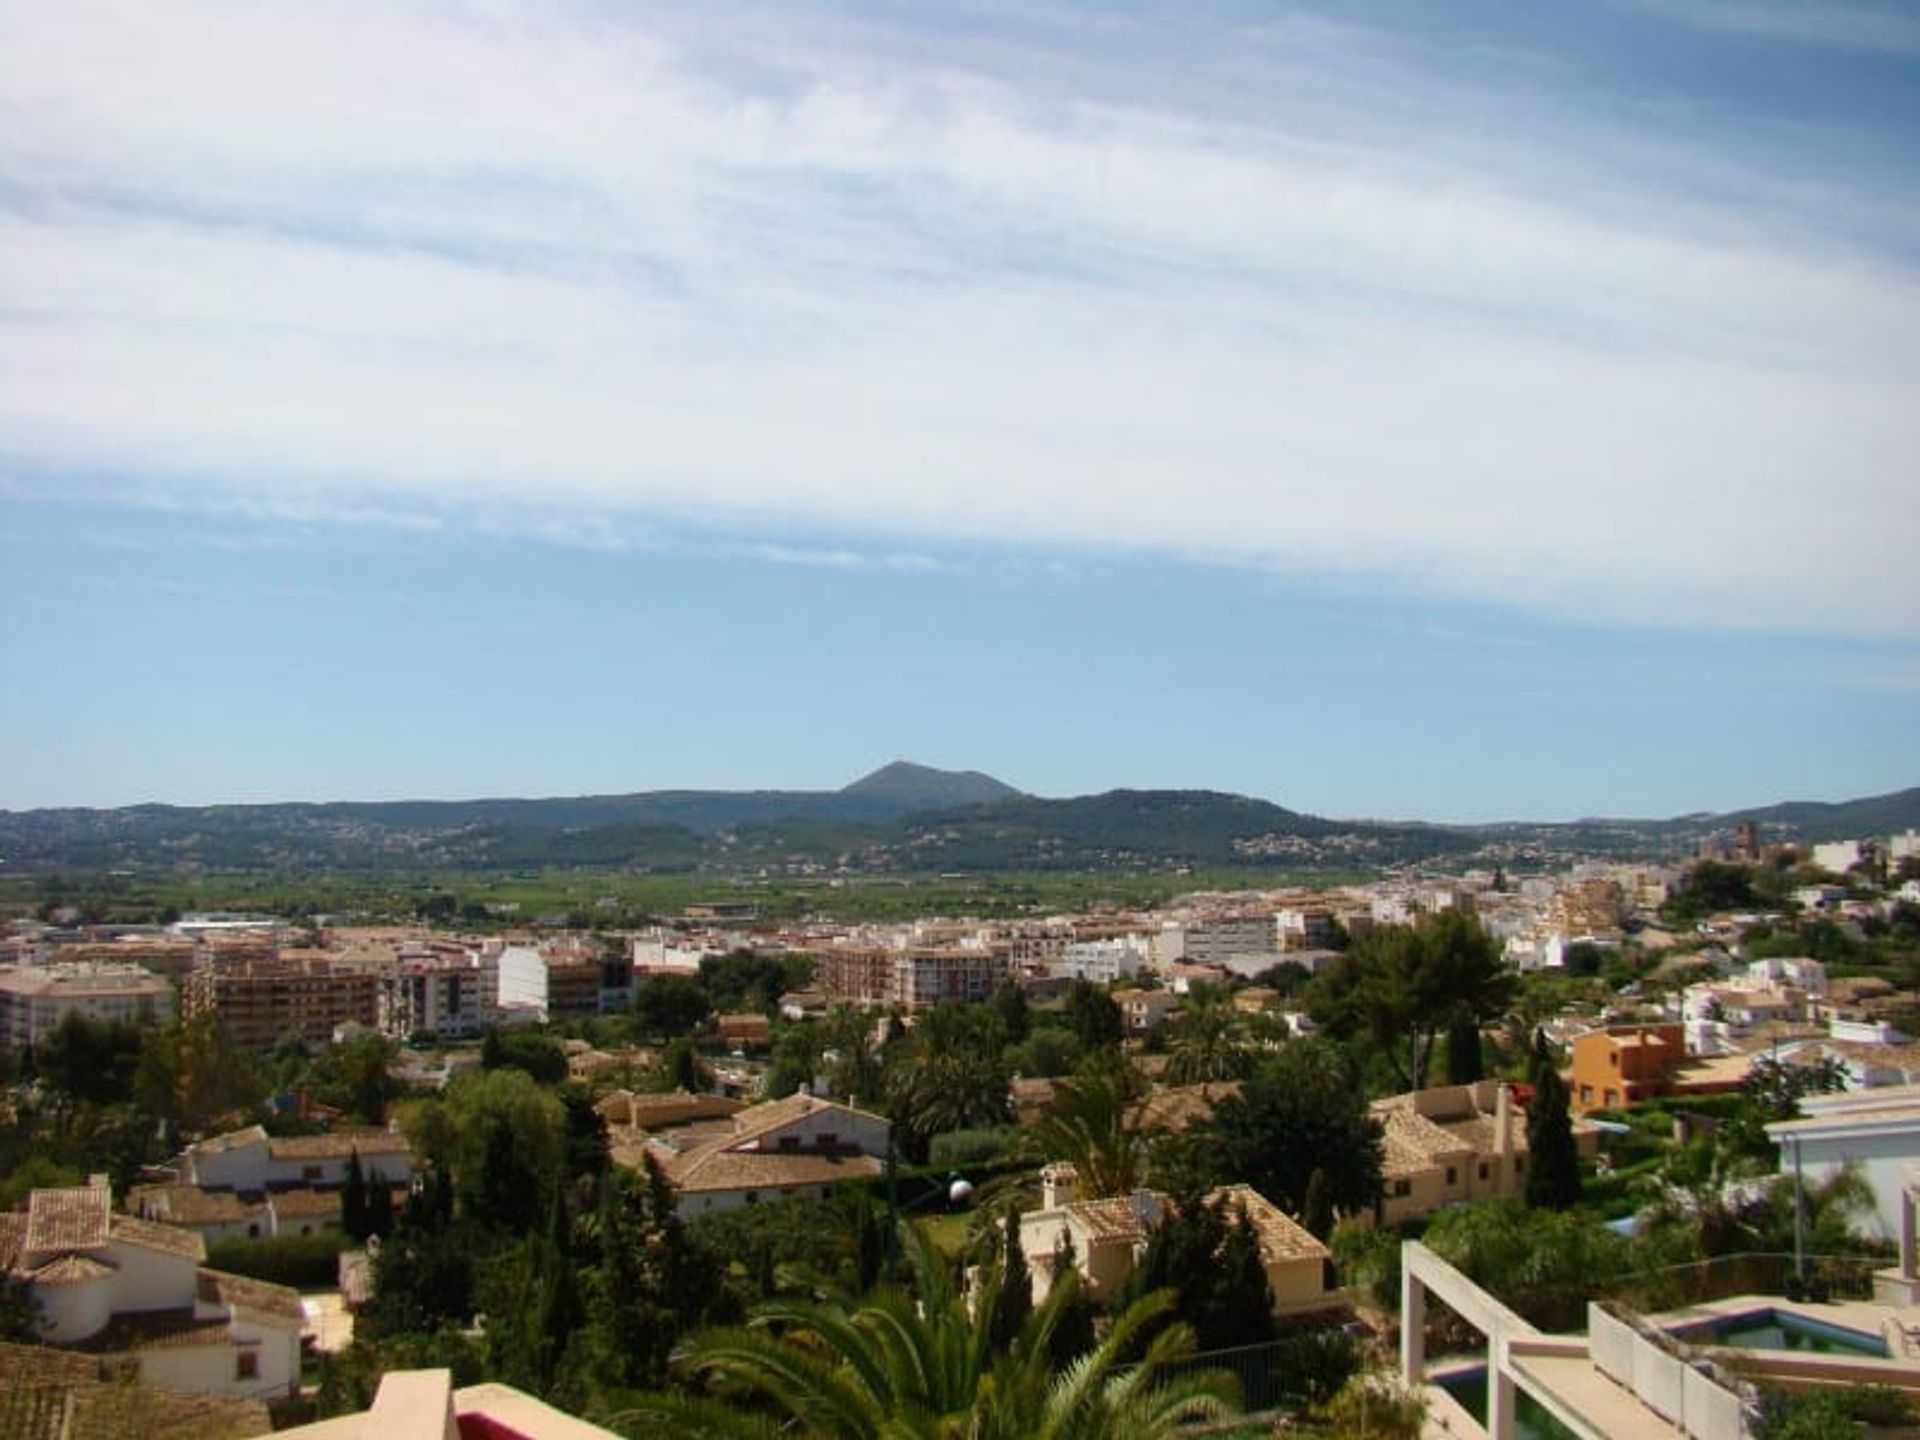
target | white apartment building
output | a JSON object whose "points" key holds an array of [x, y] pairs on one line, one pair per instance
{"points": [[1837, 857], [34, 1000], [1104, 961], [1218, 942], [664, 953], [444, 990], [523, 980]]}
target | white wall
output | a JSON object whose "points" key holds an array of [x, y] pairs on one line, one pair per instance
{"points": [[243, 1167], [523, 977]]}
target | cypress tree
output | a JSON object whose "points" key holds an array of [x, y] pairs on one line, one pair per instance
{"points": [[1465, 1062], [354, 1216], [1072, 1334], [1013, 1302], [559, 1311], [1540, 1062], [1553, 1165], [379, 1205], [1317, 1213]]}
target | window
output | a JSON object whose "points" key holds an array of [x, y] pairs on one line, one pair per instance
{"points": [[753, 1197], [1453, 1176], [1403, 1187], [1586, 1094], [1483, 1169], [246, 1365], [828, 1139]]}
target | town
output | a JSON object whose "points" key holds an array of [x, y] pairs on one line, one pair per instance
{"points": [[1646, 1129]]}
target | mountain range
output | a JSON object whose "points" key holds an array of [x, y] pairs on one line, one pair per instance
{"points": [[901, 818]]}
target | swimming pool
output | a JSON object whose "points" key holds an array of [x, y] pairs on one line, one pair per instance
{"points": [[1784, 1330], [1530, 1418]]}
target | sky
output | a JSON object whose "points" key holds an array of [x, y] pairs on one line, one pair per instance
{"points": [[1445, 410]]}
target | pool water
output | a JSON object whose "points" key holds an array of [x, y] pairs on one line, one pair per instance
{"points": [[1530, 1419], [1781, 1330]]}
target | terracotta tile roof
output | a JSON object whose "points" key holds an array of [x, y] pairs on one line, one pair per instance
{"points": [[13, 1235], [708, 1170], [157, 1330], [69, 1219], [255, 1300], [304, 1204], [676, 1107], [1481, 1133], [1411, 1143], [1281, 1237], [71, 1269], [1180, 1107], [167, 1239], [190, 1205], [48, 1394], [338, 1145], [232, 1140], [1108, 1221]]}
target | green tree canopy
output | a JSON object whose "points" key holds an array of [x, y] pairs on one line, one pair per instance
{"points": [[1400, 987], [1302, 1111]]}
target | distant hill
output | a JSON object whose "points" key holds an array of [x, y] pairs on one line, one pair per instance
{"points": [[920, 787], [1813, 820], [902, 818]]}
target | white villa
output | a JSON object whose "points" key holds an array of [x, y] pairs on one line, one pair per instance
{"points": [[139, 1292]]}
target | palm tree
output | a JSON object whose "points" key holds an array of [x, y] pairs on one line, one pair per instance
{"points": [[893, 1367], [1209, 1040], [1096, 1125]]}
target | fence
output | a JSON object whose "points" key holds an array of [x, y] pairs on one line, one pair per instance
{"points": [[1836, 1277]]}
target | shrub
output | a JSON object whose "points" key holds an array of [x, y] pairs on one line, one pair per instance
{"points": [[970, 1147], [306, 1262]]}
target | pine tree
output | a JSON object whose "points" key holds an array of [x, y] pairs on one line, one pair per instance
{"points": [[354, 1216], [1013, 1301], [1553, 1164]]}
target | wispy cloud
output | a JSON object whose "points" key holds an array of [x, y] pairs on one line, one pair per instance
{"points": [[1871, 29], [1294, 296]]}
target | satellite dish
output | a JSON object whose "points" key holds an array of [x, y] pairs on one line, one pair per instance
{"points": [[960, 1192]]}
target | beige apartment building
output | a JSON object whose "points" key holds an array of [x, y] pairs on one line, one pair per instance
{"points": [[259, 1001], [35, 999]]}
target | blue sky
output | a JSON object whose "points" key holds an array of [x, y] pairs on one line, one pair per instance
{"points": [[1456, 411]]}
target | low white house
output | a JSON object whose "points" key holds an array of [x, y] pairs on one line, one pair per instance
{"points": [[137, 1291], [252, 1162], [797, 1146]]}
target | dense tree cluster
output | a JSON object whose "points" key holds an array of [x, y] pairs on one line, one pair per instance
{"points": [[1400, 987]]}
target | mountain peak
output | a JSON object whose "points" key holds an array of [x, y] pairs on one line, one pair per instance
{"points": [[922, 786]]}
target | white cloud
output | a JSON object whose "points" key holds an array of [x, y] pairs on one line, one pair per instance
{"points": [[588, 275]]}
